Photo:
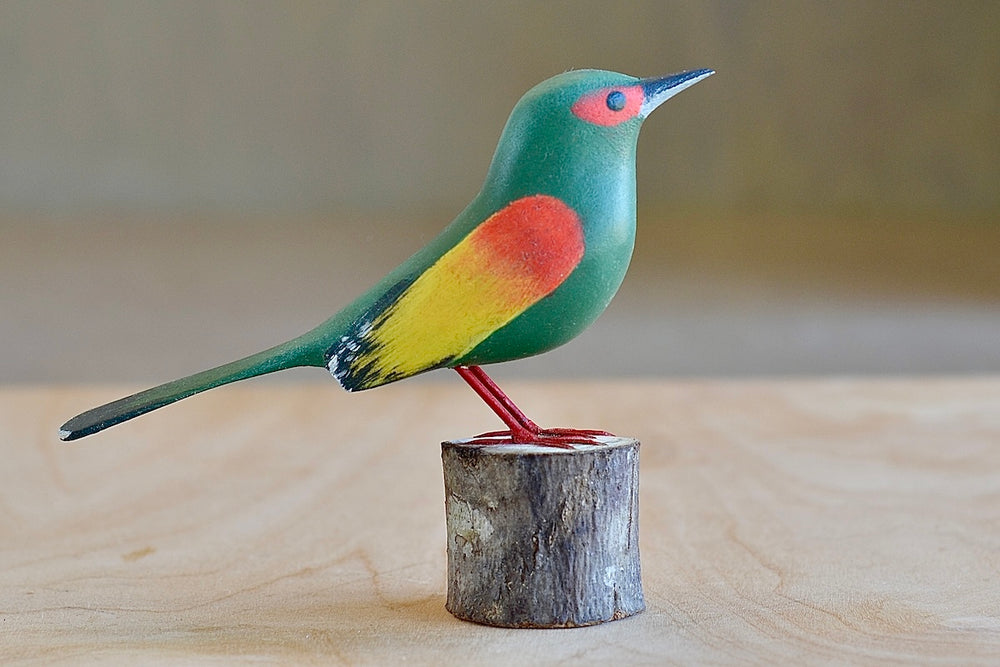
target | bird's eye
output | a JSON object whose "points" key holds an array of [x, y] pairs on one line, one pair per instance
{"points": [[616, 100], [609, 106]]}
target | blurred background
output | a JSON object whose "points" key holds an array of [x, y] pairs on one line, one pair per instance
{"points": [[182, 183]]}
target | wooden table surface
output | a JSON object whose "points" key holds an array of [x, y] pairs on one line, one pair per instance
{"points": [[794, 522]]}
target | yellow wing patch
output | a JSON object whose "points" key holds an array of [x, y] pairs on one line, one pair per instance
{"points": [[506, 264]]}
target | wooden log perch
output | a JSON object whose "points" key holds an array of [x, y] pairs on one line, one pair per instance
{"points": [[540, 537]]}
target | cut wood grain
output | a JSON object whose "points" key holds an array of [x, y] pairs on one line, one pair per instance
{"points": [[782, 522]]}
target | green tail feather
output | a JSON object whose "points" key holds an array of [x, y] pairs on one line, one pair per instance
{"points": [[297, 352]]}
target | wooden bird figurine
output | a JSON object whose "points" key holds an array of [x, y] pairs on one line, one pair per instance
{"points": [[527, 266]]}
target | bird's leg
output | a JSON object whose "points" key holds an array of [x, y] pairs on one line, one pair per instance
{"points": [[522, 430]]}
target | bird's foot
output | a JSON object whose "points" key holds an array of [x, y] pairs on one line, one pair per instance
{"points": [[522, 431], [561, 438]]}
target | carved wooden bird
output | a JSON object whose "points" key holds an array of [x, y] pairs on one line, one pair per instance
{"points": [[527, 266]]}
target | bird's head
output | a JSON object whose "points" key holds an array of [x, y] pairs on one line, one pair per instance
{"points": [[608, 99], [575, 122]]}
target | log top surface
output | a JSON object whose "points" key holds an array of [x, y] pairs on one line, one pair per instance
{"points": [[793, 521], [603, 442]]}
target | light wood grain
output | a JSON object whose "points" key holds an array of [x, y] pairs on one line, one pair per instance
{"points": [[781, 522]]}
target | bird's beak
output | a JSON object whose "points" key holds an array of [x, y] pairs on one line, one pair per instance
{"points": [[660, 89]]}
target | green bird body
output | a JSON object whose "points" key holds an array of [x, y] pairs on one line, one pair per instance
{"points": [[530, 263]]}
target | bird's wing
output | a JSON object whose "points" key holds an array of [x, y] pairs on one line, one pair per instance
{"points": [[506, 264]]}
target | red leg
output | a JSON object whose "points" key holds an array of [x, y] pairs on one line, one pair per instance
{"points": [[522, 430]]}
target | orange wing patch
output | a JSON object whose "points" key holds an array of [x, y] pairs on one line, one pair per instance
{"points": [[513, 259]]}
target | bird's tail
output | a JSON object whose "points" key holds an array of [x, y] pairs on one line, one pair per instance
{"points": [[297, 352]]}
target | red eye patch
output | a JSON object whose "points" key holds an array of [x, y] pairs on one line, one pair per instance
{"points": [[609, 106]]}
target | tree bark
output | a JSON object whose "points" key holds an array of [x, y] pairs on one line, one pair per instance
{"points": [[540, 537]]}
